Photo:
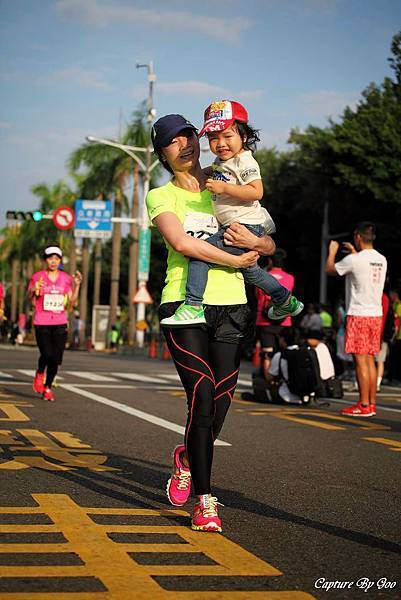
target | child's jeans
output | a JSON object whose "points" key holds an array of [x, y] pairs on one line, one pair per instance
{"points": [[198, 271]]}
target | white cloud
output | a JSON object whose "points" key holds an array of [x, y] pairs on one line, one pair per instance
{"points": [[100, 13], [5, 125], [78, 77], [325, 103], [203, 88], [190, 88]]}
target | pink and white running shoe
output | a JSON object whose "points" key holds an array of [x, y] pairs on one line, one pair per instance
{"points": [[206, 517], [179, 485], [48, 394]]}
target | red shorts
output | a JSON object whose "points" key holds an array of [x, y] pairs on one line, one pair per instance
{"points": [[363, 335]]}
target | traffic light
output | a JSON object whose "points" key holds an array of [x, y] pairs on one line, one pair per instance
{"points": [[19, 215]]}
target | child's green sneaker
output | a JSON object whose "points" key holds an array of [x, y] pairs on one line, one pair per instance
{"points": [[186, 314], [290, 308]]}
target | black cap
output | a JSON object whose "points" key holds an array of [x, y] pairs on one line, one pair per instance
{"points": [[166, 128]]}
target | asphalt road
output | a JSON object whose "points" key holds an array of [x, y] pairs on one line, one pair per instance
{"points": [[311, 499]]}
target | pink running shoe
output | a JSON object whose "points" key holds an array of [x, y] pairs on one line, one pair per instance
{"points": [[358, 410], [179, 485], [205, 516], [48, 394], [39, 382]]}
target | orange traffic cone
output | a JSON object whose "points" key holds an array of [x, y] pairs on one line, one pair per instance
{"points": [[153, 348], [166, 352], [256, 355]]}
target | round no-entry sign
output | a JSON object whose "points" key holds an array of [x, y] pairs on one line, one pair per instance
{"points": [[64, 217]]}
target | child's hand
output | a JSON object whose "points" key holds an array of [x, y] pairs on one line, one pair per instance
{"points": [[215, 186]]}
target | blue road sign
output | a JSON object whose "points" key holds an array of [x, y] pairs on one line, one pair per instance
{"points": [[93, 219]]}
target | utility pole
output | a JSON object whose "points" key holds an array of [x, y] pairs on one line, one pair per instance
{"points": [[326, 237], [146, 167], [144, 232]]}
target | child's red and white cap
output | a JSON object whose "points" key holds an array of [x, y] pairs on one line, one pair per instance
{"points": [[220, 115]]}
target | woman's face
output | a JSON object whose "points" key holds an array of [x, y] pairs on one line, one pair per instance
{"points": [[53, 262], [182, 154]]}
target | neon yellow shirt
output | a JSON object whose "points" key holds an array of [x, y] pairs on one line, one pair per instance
{"points": [[225, 285]]}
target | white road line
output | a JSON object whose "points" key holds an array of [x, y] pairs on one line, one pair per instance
{"points": [[5, 375], [245, 382], [173, 377], [131, 411], [31, 373], [138, 377], [91, 376]]}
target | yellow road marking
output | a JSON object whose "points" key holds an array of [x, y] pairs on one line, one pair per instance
{"points": [[296, 415], [67, 457], [110, 563], [396, 445], [12, 412]]}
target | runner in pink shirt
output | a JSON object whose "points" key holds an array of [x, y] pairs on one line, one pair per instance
{"points": [[52, 291]]}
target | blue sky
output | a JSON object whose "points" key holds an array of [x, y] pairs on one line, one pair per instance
{"points": [[67, 69]]}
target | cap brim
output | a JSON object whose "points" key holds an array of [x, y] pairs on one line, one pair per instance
{"points": [[211, 127], [168, 139]]}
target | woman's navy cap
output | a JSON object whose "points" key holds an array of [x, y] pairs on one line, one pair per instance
{"points": [[166, 128]]}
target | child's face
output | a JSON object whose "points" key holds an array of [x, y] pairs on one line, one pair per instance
{"points": [[226, 144]]}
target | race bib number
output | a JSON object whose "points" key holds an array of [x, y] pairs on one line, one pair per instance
{"points": [[200, 225], [53, 302]]}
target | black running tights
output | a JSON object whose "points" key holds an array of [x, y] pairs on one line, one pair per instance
{"points": [[51, 340], [208, 370]]}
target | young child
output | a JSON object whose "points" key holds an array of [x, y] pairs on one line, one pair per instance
{"points": [[237, 187]]}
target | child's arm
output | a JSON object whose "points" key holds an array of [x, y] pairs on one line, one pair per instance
{"points": [[249, 192]]}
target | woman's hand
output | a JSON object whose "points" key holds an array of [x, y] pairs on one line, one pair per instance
{"points": [[240, 236], [248, 259], [38, 286], [77, 278]]}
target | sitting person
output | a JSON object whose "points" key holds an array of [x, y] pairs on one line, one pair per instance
{"points": [[295, 377], [277, 375]]}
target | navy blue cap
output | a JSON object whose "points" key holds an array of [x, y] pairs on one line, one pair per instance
{"points": [[166, 128]]}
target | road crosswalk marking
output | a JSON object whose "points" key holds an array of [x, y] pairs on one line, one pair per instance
{"points": [[92, 376], [139, 377], [31, 373], [5, 375]]}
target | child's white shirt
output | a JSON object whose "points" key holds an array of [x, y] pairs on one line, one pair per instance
{"points": [[239, 170]]}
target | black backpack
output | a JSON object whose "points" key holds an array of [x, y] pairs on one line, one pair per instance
{"points": [[303, 371]]}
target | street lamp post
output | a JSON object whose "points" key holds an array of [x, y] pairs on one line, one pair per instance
{"points": [[325, 238], [147, 167]]}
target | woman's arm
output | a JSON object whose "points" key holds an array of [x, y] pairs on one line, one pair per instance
{"points": [[238, 235], [73, 295], [171, 229]]}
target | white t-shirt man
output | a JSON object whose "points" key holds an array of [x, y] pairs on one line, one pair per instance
{"points": [[365, 276]]}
